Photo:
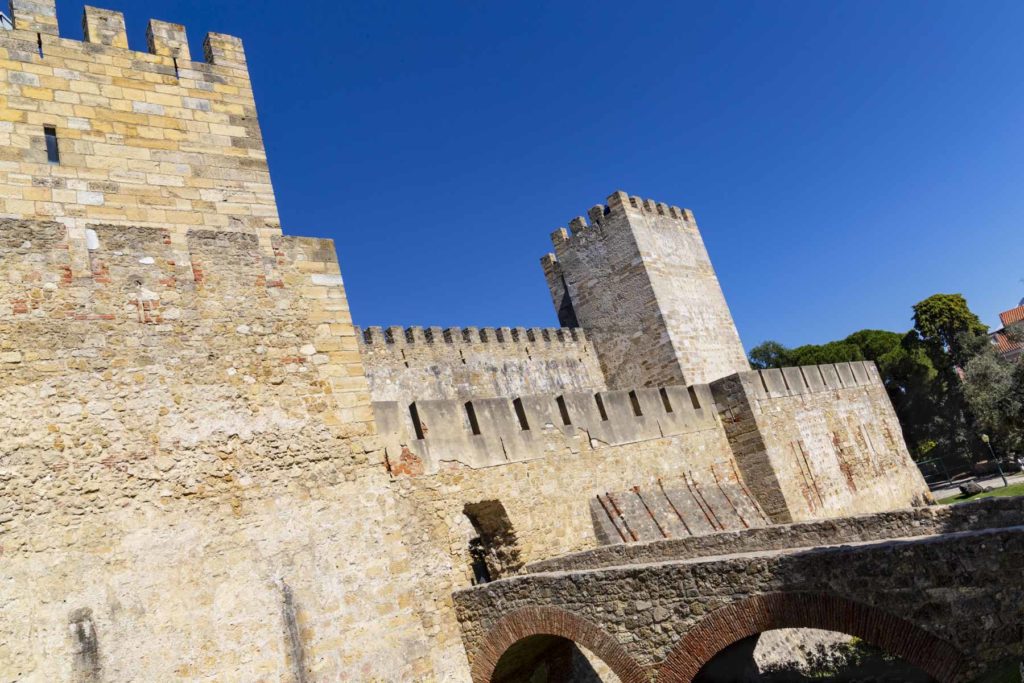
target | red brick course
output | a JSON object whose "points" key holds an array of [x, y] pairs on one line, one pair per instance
{"points": [[532, 621], [745, 618]]}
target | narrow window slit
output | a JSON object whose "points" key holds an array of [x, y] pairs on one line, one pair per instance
{"points": [[635, 401], [177, 73], [524, 424], [52, 148], [600, 407], [39, 44], [563, 410], [693, 398], [474, 425], [664, 400], [416, 424]]}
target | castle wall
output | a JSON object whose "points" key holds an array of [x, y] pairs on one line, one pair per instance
{"points": [[191, 488], [639, 280], [145, 138], [410, 364], [819, 441], [546, 501]]}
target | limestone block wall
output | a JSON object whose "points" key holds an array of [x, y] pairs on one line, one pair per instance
{"points": [[415, 363], [819, 441], [991, 513], [639, 280], [145, 138], [435, 435], [546, 502], [190, 484]]}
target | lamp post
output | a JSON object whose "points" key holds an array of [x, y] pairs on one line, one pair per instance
{"points": [[988, 442]]}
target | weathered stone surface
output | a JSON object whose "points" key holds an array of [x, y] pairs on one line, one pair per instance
{"points": [[949, 618], [640, 281], [145, 138], [405, 365], [195, 485]]}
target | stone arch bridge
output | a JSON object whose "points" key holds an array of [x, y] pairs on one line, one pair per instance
{"points": [[943, 588]]}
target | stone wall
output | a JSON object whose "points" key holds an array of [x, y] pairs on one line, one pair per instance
{"points": [[190, 484], [408, 364], [639, 280], [951, 618], [818, 441], [546, 502], [989, 514], [145, 138]]}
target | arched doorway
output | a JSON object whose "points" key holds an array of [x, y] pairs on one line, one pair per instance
{"points": [[551, 659], [549, 645], [739, 621], [804, 655]]}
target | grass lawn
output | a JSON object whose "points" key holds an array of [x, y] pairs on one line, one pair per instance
{"points": [[997, 492]]}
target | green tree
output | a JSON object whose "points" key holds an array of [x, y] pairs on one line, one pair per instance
{"points": [[921, 370], [769, 354], [944, 322]]}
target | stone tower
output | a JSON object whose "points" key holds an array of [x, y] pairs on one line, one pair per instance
{"points": [[639, 281]]}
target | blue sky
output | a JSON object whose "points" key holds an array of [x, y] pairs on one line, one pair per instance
{"points": [[844, 159]]}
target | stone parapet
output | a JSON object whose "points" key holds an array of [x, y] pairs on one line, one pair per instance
{"points": [[993, 513], [434, 363], [489, 432], [145, 138]]}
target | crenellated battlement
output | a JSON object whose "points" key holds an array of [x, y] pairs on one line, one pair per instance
{"points": [[618, 203], [35, 21], [142, 138], [377, 336], [638, 278], [403, 363], [811, 379], [484, 432]]}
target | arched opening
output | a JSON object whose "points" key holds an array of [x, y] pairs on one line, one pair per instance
{"points": [[494, 550], [737, 624], [805, 655], [551, 659], [549, 645]]}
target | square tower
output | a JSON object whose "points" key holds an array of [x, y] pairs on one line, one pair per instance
{"points": [[639, 281]]}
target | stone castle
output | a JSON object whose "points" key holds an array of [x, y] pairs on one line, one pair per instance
{"points": [[207, 472]]}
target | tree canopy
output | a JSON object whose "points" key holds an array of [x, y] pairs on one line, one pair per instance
{"points": [[946, 380]]}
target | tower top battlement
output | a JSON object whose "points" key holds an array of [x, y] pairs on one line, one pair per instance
{"points": [[96, 133], [619, 202], [107, 27], [639, 280]]}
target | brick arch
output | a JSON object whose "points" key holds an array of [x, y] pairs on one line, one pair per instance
{"points": [[760, 613], [551, 621]]}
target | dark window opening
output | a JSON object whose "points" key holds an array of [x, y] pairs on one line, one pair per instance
{"points": [[635, 401], [494, 552], [39, 43], [478, 562], [177, 73], [416, 424], [563, 410], [600, 407], [52, 148], [474, 426], [664, 400], [693, 398], [521, 414]]}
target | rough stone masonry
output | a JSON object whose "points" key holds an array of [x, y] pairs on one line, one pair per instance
{"points": [[208, 473]]}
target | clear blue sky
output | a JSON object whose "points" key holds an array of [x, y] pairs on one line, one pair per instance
{"points": [[844, 159]]}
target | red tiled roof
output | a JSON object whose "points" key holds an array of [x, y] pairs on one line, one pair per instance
{"points": [[1012, 317], [1004, 343]]}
